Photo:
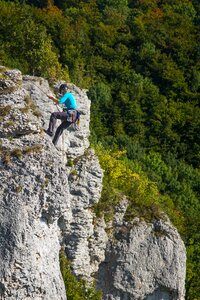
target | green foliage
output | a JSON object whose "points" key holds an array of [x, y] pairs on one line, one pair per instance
{"points": [[121, 180], [193, 281], [101, 108], [75, 289], [25, 43]]}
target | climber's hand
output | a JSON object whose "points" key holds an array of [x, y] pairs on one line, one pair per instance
{"points": [[52, 98]]}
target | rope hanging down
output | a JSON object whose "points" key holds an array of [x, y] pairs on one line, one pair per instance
{"points": [[45, 94]]}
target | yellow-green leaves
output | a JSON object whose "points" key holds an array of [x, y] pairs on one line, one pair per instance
{"points": [[121, 180]]}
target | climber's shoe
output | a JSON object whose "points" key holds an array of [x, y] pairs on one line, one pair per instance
{"points": [[48, 132]]}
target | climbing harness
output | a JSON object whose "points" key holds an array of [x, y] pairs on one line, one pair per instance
{"points": [[73, 116]]}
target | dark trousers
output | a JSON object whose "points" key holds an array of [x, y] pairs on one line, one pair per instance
{"points": [[52, 123]]}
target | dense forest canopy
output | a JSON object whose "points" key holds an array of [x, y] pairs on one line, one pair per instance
{"points": [[140, 61]]}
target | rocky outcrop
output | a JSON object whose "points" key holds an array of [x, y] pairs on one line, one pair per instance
{"points": [[140, 261], [9, 80], [46, 200]]}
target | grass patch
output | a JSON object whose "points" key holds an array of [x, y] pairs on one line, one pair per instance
{"points": [[8, 124], [45, 182], [76, 289], [6, 157], [3, 69], [86, 154], [70, 163], [33, 149], [18, 153], [3, 76], [5, 110], [73, 173], [18, 189], [30, 105]]}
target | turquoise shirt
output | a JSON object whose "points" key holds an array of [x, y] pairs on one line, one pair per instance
{"points": [[68, 100]]}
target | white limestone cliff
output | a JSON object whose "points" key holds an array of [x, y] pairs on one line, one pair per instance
{"points": [[46, 200]]}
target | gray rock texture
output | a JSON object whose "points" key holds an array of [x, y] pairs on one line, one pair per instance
{"points": [[46, 202], [141, 261]]}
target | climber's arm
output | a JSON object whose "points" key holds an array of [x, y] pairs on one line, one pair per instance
{"points": [[54, 99]]}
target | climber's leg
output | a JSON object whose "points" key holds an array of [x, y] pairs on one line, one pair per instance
{"points": [[52, 122], [59, 131]]}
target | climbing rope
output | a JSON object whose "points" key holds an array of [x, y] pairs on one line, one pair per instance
{"points": [[45, 94]]}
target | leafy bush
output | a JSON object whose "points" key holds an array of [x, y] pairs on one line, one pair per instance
{"points": [[120, 180], [75, 289]]}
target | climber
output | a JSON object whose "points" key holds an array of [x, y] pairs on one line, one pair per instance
{"points": [[69, 115]]}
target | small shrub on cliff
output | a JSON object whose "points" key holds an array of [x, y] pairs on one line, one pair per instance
{"points": [[5, 110], [75, 289], [18, 189], [6, 158], [7, 154], [120, 178], [33, 149], [30, 105], [17, 153], [8, 124]]}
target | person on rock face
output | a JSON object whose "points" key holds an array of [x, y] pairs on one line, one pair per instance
{"points": [[67, 119]]}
